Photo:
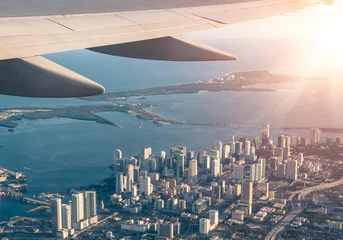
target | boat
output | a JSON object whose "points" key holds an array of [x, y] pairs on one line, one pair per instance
{"points": [[2, 194], [1, 146]]}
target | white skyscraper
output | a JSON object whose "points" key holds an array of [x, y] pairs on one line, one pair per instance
{"points": [[292, 169], [226, 151], [90, 203], [56, 215], [193, 168], [214, 216], [252, 156], [204, 226], [145, 153], [145, 186], [238, 173], [77, 207], [117, 155], [66, 216], [265, 134], [247, 146], [215, 168], [247, 192], [218, 145]]}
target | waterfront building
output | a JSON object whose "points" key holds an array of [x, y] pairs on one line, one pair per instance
{"points": [[145, 153], [90, 204], [315, 135], [66, 216], [56, 215], [265, 134], [117, 155], [78, 208]]}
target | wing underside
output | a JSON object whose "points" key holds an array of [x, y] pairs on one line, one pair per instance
{"points": [[146, 34]]}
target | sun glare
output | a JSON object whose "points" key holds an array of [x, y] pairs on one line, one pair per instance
{"points": [[328, 35]]}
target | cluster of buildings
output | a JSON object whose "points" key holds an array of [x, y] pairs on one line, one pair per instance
{"points": [[77, 215], [191, 185]]}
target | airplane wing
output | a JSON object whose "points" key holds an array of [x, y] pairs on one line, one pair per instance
{"points": [[130, 28]]}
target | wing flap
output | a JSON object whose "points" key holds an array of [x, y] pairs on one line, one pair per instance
{"points": [[166, 48], [39, 77]]}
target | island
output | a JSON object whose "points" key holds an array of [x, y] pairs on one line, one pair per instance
{"points": [[10, 117], [240, 81]]}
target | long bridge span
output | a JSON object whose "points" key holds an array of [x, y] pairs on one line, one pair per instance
{"points": [[21, 197]]}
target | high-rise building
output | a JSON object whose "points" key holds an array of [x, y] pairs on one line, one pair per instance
{"points": [[177, 228], [294, 141], [238, 173], [263, 163], [237, 189], [118, 155], [247, 192], [214, 217], [339, 140], [200, 156], [281, 170], [66, 216], [215, 168], [247, 147], [180, 165], [204, 226], [218, 145], [292, 169], [56, 215], [233, 147], [119, 183], [226, 152], [77, 207], [265, 134], [206, 162], [166, 229], [130, 175], [145, 153], [315, 135], [145, 186], [286, 153], [190, 155], [193, 168], [90, 204], [159, 204], [273, 162], [216, 194], [238, 147]]}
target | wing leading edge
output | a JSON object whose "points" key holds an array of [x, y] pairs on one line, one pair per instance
{"points": [[155, 34]]}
